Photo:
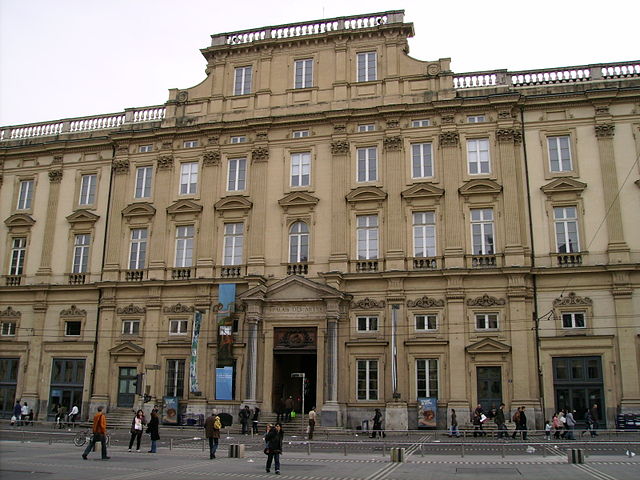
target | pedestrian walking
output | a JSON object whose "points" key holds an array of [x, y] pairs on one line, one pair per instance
{"points": [[516, 421], [73, 415], [212, 426], [62, 415], [255, 420], [24, 413], [17, 413], [312, 422], [377, 425], [571, 425], [590, 421], [137, 427], [547, 430], [153, 429], [595, 418], [563, 423], [288, 408], [478, 419], [244, 415], [557, 426], [501, 422], [99, 429], [454, 424], [273, 439]]}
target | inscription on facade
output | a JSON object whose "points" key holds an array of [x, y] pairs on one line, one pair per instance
{"points": [[294, 309]]}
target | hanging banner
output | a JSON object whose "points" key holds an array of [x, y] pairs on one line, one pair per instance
{"points": [[427, 412], [226, 298], [193, 364]]}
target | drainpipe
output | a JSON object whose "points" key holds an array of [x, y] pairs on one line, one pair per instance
{"points": [[534, 286]]}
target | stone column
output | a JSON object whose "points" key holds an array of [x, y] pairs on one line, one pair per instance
{"points": [[117, 236], [55, 178], [339, 257], [395, 254], [31, 368], [258, 192], [617, 248], [251, 360], [509, 140], [160, 233], [452, 237], [331, 409]]}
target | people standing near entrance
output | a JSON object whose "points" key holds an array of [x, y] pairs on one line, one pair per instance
{"points": [[312, 422], [478, 419], [99, 429], [273, 440], [454, 424], [563, 422], [137, 426], [501, 422], [24, 413], [557, 426], [255, 419], [73, 414], [244, 415], [377, 425], [212, 426], [288, 408], [154, 430], [591, 420], [571, 425]]}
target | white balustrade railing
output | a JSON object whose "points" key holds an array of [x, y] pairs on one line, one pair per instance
{"points": [[478, 80], [621, 70], [547, 77]]}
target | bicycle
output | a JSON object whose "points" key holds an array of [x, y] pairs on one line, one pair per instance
{"points": [[84, 436]]}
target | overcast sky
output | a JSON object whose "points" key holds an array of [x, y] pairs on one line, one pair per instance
{"points": [[70, 58]]}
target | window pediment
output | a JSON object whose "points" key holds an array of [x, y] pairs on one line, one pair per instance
{"points": [[366, 194], [233, 204], [141, 211], [572, 300], [298, 200], [82, 218], [422, 191], [488, 345], [19, 223], [127, 349], [563, 187], [187, 209], [480, 186]]}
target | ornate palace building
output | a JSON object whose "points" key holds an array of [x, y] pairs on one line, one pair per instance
{"points": [[325, 205]]}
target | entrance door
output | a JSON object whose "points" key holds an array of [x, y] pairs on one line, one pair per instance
{"points": [[127, 386], [489, 387], [284, 385], [578, 385]]}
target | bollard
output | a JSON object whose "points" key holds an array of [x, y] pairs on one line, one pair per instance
{"points": [[462, 450], [171, 444], [345, 449], [236, 450], [575, 455], [203, 446], [421, 451], [308, 448], [397, 454], [384, 449]]}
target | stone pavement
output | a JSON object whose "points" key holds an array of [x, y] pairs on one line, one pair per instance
{"points": [[40, 461]]}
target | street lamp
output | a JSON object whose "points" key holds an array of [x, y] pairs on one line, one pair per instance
{"points": [[301, 375]]}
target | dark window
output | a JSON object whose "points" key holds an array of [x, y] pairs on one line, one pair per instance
{"points": [[72, 328]]}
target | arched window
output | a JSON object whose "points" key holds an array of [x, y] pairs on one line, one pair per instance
{"points": [[298, 242]]}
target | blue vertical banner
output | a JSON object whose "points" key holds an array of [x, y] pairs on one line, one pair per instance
{"points": [[193, 364]]}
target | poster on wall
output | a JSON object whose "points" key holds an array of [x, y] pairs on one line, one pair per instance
{"points": [[170, 411], [427, 412], [224, 383]]}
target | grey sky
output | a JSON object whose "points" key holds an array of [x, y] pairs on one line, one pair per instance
{"points": [[70, 58]]}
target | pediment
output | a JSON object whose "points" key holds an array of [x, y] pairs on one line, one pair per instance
{"points": [[298, 199], [480, 186], [488, 345], [127, 348], [366, 194], [19, 222], [422, 191], [82, 216], [184, 207], [233, 203], [142, 209], [564, 185], [294, 289]]}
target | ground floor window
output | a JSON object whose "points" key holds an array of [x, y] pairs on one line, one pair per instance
{"points": [[367, 379], [174, 386], [427, 377], [578, 385], [67, 384], [8, 382]]}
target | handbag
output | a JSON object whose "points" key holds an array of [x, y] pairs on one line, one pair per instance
{"points": [[293, 414], [266, 451]]}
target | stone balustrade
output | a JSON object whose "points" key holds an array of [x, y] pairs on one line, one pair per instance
{"points": [[315, 27]]}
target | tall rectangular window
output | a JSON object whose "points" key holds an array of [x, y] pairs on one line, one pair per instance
{"points": [[184, 245], [81, 244], [174, 386], [242, 80], [367, 67], [367, 379], [304, 73], [367, 233], [298, 242], [427, 377], [566, 223], [138, 248], [559, 154], [143, 182], [237, 174], [367, 164], [18, 252], [421, 160], [233, 243], [300, 169], [478, 156], [25, 195], [88, 189], [482, 231], [188, 178], [424, 234]]}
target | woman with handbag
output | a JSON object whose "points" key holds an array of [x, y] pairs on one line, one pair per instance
{"points": [[137, 425], [153, 429]]}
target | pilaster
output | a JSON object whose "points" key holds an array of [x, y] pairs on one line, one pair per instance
{"points": [[453, 227], [160, 232], [394, 255], [339, 257], [457, 371], [210, 177], [259, 167], [55, 178], [116, 234]]}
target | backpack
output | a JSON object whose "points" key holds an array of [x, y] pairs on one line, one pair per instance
{"points": [[217, 424]]}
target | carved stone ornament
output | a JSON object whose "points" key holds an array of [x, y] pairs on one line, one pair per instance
{"points": [[182, 96], [504, 114], [425, 302], [340, 128], [393, 144], [448, 118], [165, 162], [296, 339], [605, 131], [211, 159], [433, 69], [602, 110], [368, 303], [120, 166], [131, 309], [571, 300], [449, 139], [509, 135], [57, 159], [340, 147], [262, 136], [167, 145], [213, 140], [55, 176], [392, 123], [122, 149], [260, 154], [10, 313], [485, 301], [179, 308], [73, 312]]}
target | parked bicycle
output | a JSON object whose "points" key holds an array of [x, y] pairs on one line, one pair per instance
{"points": [[84, 436]]}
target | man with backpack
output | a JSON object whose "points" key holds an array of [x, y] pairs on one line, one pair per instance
{"points": [[212, 426]]}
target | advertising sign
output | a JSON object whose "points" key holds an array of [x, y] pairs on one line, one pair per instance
{"points": [[170, 411], [427, 408]]}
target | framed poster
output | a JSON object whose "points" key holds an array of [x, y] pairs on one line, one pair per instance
{"points": [[427, 409], [170, 411]]}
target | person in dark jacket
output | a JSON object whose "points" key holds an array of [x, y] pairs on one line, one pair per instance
{"points": [[377, 425], [477, 420], [273, 439], [153, 430], [501, 422], [255, 419], [212, 428], [137, 427], [244, 415]]}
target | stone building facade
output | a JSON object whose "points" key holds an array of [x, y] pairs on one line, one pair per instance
{"points": [[390, 229]]}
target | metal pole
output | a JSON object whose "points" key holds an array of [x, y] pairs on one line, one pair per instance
{"points": [[302, 416]]}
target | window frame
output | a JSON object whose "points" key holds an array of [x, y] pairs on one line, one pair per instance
{"points": [[366, 231], [18, 255], [185, 243], [189, 179], [236, 257], [368, 321], [178, 384], [365, 175], [372, 385], [145, 148], [426, 318], [560, 160], [425, 165], [566, 232], [87, 194], [415, 227], [85, 253], [365, 72], [300, 134], [366, 127], [242, 80], [476, 118], [237, 174], [140, 253], [477, 152], [301, 244], [26, 193], [131, 331], [305, 78], [181, 324], [482, 223], [72, 323], [486, 321], [421, 123], [297, 161], [572, 316], [190, 144], [236, 139], [427, 390], [143, 182], [10, 330]]}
